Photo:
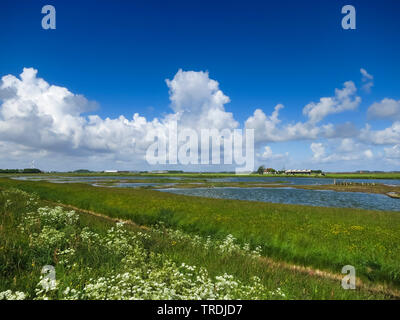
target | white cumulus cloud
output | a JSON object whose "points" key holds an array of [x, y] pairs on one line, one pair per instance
{"points": [[344, 100], [347, 150], [389, 135], [39, 116], [269, 129], [393, 152], [269, 155], [367, 79], [385, 109], [39, 120], [318, 150]]}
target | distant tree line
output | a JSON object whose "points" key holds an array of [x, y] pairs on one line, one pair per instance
{"points": [[31, 170], [262, 170]]}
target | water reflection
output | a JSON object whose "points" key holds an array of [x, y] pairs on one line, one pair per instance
{"points": [[323, 198]]}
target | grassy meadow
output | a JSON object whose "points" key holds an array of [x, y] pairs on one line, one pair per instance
{"points": [[289, 241]]}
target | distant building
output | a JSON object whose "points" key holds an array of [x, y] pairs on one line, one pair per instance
{"points": [[110, 171], [306, 171], [269, 171]]}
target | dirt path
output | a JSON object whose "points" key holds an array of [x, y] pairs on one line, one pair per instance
{"points": [[377, 288]]}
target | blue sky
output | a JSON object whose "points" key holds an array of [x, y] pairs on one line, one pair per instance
{"points": [[262, 53]]}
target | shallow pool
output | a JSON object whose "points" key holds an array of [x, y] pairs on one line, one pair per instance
{"points": [[323, 198]]}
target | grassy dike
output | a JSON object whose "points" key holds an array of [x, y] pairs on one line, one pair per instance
{"points": [[326, 238], [30, 238], [377, 188]]}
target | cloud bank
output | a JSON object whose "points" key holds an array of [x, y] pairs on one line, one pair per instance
{"points": [[54, 125]]}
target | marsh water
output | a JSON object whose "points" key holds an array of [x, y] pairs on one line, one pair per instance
{"points": [[283, 193], [323, 198], [286, 180]]}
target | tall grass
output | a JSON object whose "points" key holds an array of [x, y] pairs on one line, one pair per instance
{"points": [[96, 259], [327, 238]]}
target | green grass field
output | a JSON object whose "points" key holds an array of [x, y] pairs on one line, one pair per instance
{"points": [[324, 238]]}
